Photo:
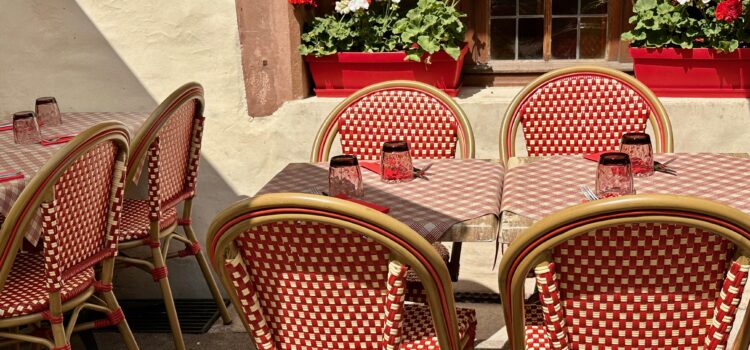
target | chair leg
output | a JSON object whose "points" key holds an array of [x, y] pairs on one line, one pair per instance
{"points": [[203, 263], [166, 292], [58, 334], [122, 326], [455, 262]]}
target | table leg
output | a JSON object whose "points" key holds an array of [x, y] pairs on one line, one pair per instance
{"points": [[455, 261]]}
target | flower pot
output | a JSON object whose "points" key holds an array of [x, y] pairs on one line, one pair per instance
{"points": [[343, 73], [693, 72]]}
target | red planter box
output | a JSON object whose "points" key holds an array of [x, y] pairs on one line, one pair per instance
{"points": [[693, 72], [343, 73]]}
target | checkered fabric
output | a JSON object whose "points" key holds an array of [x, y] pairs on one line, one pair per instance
{"points": [[398, 114], [30, 158], [25, 290], [649, 285], [579, 114], [541, 188], [77, 222], [309, 285], [429, 207], [136, 222]]}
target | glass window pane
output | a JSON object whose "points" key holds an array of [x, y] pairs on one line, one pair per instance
{"points": [[503, 7], [530, 37], [503, 39], [564, 7], [564, 38], [531, 7], [593, 37], [594, 6]]}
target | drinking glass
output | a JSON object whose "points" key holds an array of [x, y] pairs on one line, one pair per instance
{"points": [[345, 177], [25, 128], [47, 112], [395, 162], [614, 176], [637, 146]]}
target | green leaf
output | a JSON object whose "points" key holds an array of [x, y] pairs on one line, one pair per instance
{"points": [[453, 51], [644, 5]]}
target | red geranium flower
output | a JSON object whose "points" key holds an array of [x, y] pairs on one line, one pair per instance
{"points": [[304, 2], [729, 10]]}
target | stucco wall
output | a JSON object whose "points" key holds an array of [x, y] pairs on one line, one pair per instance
{"points": [[111, 55]]}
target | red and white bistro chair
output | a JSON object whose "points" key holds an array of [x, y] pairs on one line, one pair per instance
{"points": [[167, 148], [432, 123], [634, 272], [78, 197], [582, 110], [314, 272]]}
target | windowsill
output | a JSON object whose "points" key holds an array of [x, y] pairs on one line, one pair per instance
{"points": [[540, 66]]}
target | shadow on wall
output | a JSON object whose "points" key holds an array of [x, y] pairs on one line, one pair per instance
{"points": [[54, 49]]}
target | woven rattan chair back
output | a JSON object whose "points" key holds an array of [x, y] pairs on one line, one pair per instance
{"points": [[635, 272], [582, 110], [79, 193], [319, 268], [428, 119], [168, 145]]}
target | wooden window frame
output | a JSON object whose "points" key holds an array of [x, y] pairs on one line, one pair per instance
{"points": [[481, 70]]}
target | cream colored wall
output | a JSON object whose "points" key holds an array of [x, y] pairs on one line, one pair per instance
{"points": [[113, 55]]}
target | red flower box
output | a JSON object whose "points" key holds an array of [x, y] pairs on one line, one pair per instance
{"points": [[343, 73], [693, 72]]}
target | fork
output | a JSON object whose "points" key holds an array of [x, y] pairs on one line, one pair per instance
{"points": [[588, 193]]}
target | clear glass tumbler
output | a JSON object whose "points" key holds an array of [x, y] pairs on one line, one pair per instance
{"points": [[47, 112], [395, 162], [345, 177], [25, 128], [637, 146], [614, 176]]}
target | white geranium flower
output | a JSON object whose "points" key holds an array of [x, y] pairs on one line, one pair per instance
{"points": [[683, 2], [356, 5], [705, 2], [342, 7]]}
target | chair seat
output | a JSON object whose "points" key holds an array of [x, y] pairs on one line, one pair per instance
{"points": [[25, 290], [536, 338], [419, 333], [135, 220], [414, 290]]}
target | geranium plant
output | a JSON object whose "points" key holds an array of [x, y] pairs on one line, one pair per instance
{"points": [[722, 25], [418, 27]]}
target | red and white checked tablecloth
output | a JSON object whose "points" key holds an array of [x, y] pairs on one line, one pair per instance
{"points": [[541, 188], [30, 158], [458, 190]]}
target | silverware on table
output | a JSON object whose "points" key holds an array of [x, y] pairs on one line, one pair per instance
{"points": [[588, 193], [663, 168], [10, 174], [421, 173]]}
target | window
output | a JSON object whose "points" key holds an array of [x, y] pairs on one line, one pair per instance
{"points": [[546, 29]]}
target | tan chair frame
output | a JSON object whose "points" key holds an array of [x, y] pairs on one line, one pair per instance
{"points": [[659, 121], [41, 189], [140, 145], [405, 245], [533, 247]]}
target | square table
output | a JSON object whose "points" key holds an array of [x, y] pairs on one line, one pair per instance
{"points": [[538, 186], [30, 158], [459, 202]]}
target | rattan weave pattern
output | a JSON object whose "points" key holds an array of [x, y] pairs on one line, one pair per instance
{"points": [[398, 114], [582, 113], [309, 285]]}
